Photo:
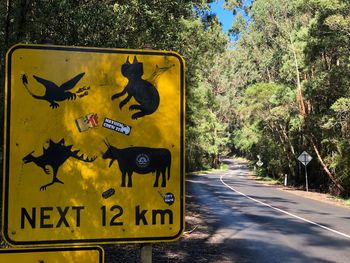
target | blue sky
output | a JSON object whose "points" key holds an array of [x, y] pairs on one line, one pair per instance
{"points": [[225, 17]]}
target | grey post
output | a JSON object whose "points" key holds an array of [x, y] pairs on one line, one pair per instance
{"points": [[307, 184], [285, 180], [146, 253]]}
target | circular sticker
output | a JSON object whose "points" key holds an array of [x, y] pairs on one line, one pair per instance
{"points": [[169, 198], [142, 160]]}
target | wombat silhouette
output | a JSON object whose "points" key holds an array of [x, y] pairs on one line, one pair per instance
{"points": [[143, 91]]}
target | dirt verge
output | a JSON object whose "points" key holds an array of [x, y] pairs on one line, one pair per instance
{"points": [[192, 247]]}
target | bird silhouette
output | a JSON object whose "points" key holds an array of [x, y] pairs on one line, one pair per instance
{"points": [[54, 93]]}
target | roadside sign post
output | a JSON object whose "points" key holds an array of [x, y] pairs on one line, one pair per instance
{"points": [[94, 146], [146, 253], [285, 179], [305, 158]]}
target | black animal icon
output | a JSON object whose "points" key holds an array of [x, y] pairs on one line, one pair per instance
{"points": [[54, 156], [54, 93], [143, 91], [141, 160]]}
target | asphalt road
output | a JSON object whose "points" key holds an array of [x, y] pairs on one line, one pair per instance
{"points": [[251, 222]]}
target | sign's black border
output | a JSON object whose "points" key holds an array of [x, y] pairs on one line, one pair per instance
{"points": [[7, 142], [55, 249]]}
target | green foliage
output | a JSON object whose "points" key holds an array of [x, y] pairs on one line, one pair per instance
{"points": [[292, 60], [266, 112], [280, 88], [232, 4], [247, 137], [181, 26]]}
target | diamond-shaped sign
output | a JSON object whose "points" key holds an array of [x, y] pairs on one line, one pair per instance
{"points": [[304, 158], [259, 163]]}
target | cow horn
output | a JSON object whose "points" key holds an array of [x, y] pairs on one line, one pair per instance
{"points": [[106, 142], [135, 60], [127, 60]]}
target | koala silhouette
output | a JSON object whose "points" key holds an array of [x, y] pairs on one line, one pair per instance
{"points": [[144, 92]]}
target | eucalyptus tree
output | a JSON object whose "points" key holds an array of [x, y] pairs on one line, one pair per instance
{"points": [[305, 45], [327, 86], [181, 26]]}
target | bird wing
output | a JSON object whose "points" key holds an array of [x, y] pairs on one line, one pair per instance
{"points": [[72, 82], [47, 83]]}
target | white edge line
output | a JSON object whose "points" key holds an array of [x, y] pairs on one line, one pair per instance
{"points": [[284, 212]]}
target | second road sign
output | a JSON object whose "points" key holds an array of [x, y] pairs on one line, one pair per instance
{"points": [[304, 158], [56, 254]]}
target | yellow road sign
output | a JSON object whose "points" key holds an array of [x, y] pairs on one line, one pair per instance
{"points": [[53, 255], [94, 145]]}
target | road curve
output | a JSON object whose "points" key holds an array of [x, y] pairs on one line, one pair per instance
{"points": [[252, 222]]}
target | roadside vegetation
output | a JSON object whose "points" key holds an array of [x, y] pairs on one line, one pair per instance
{"points": [[292, 59], [220, 168], [277, 86]]}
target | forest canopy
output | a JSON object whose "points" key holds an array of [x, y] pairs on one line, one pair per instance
{"points": [[276, 86]]}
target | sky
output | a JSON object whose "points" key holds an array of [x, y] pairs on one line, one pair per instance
{"points": [[225, 17]]}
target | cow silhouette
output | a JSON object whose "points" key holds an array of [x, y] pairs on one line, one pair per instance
{"points": [[141, 160]]}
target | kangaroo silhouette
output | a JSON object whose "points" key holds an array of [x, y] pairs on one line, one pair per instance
{"points": [[143, 91], [141, 160], [54, 156], [54, 93]]}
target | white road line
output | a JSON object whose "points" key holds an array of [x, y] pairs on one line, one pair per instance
{"points": [[284, 212]]}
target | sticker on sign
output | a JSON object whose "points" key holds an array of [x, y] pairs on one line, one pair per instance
{"points": [[91, 138]]}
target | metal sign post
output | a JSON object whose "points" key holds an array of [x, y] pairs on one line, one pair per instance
{"points": [[146, 253], [305, 158], [285, 180], [94, 146]]}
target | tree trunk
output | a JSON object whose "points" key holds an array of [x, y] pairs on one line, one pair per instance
{"points": [[325, 168], [300, 97], [7, 23], [22, 14], [291, 157]]}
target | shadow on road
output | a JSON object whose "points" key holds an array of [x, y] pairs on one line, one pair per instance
{"points": [[221, 228]]}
